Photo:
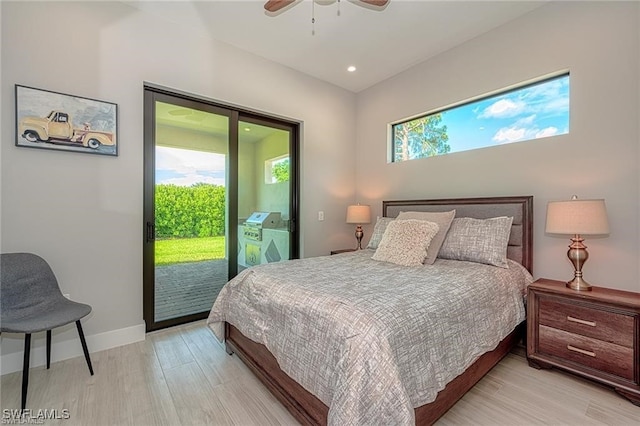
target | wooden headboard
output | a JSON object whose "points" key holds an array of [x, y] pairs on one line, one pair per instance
{"points": [[520, 246]]}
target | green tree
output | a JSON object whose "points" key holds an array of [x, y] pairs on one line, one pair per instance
{"points": [[280, 171], [419, 138]]}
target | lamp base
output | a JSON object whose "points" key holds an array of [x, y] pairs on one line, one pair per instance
{"points": [[579, 284], [359, 235], [578, 255]]}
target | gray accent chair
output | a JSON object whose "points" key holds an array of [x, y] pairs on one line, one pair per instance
{"points": [[31, 301]]}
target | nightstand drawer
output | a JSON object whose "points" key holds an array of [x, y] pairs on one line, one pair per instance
{"points": [[594, 334], [587, 321], [594, 353]]}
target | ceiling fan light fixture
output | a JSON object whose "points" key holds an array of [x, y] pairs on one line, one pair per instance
{"points": [[275, 6], [377, 3], [181, 112]]}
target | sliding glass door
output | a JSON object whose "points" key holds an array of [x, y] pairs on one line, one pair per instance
{"points": [[264, 193], [220, 196]]}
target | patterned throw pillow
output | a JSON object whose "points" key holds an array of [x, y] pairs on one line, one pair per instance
{"points": [[405, 242], [443, 219], [478, 240], [378, 231]]}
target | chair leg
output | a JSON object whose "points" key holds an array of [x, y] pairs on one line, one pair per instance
{"points": [[25, 368], [84, 346], [48, 348]]}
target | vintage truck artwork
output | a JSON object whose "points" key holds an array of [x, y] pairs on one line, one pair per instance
{"points": [[57, 127], [57, 121]]}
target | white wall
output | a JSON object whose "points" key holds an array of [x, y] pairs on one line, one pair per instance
{"points": [[599, 43], [271, 197], [83, 213]]}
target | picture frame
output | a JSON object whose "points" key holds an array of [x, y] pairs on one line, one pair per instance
{"points": [[51, 120]]}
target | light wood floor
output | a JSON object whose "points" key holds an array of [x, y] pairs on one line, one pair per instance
{"points": [[182, 376]]}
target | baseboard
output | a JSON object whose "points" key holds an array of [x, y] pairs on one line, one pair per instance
{"points": [[12, 362]]}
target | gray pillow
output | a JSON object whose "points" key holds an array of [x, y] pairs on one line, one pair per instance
{"points": [[478, 240], [378, 231], [405, 242], [442, 219]]}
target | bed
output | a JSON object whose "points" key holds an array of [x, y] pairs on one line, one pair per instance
{"points": [[363, 374]]}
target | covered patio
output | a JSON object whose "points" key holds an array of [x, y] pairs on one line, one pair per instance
{"points": [[188, 288]]}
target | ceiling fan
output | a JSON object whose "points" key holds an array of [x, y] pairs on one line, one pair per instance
{"points": [[276, 5]]}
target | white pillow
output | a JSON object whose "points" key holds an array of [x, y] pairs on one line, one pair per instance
{"points": [[442, 219], [405, 242]]}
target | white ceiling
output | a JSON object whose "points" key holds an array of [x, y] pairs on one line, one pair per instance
{"points": [[380, 43], [200, 121]]}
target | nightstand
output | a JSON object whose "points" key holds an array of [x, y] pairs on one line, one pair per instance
{"points": [[593, 334], [342, 251]]}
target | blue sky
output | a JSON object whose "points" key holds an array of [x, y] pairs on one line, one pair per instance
{"points": [[536, 111], [185, 167]]}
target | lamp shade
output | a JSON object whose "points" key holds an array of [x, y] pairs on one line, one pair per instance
{"points": [[584, 217], [358, 214]]}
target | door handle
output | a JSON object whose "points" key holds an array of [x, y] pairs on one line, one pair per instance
{"points": [[581, 321], [151, 232]]}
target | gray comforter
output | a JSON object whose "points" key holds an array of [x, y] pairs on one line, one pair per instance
{"points": [[373, 340]]}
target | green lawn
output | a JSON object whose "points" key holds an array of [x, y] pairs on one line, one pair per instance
{"points": [[183, 250]]}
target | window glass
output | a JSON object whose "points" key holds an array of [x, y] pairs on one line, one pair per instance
{"points": [[531, 111], [276, 170]]}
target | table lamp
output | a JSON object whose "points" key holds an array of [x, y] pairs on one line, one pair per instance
{"points": [[577, 217], [359, 214]]}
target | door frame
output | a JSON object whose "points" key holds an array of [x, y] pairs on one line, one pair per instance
{"points": [[153, 93]]}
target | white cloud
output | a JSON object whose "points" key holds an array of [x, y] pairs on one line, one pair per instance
{"points": [[184, 160], [191, 179], [515, 133], [558, 105], [524, 121], [548, 90], [509, 134], [522, 112], [549, 98], [193, 166], [503, 108], [549, 131]]}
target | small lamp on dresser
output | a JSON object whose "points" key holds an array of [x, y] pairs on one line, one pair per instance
{"points": [[577, 217], [359, 214]]}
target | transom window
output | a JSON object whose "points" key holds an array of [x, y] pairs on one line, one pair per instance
{"points": [[530, 111]]}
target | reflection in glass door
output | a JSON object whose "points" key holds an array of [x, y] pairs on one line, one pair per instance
{"points": [[187, 262], [264, 194]]}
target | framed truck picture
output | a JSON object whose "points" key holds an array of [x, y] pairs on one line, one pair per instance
{"points": [[52, 120]]}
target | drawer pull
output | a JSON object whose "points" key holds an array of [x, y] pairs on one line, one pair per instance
{"points": [[579, 321], [581, 351]]}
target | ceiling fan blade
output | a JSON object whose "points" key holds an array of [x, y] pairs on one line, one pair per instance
{"points": [[379, 3], [276, 5]]}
